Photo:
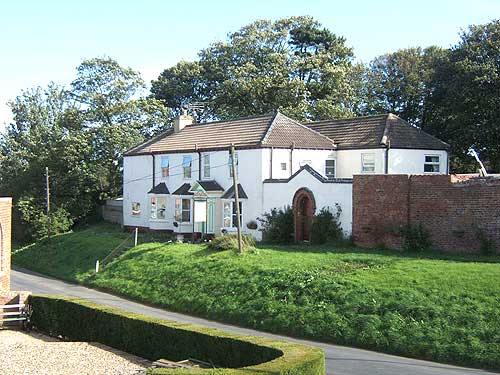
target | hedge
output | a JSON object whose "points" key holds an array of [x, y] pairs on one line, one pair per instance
{"points": [[79, 320]]}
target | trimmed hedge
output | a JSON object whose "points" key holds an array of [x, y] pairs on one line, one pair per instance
{"points": [[151, 338]]}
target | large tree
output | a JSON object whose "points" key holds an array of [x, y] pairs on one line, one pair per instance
{"points": [[293, 64], [464, 106], [401, 82]]}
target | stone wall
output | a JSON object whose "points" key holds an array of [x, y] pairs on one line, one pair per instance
{"points": [[455, 213], [5, 244]]}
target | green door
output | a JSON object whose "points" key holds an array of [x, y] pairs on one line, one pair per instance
{"points": [[210, 215]]}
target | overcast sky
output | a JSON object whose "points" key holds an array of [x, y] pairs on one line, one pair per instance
{"points": [[43, 41]]}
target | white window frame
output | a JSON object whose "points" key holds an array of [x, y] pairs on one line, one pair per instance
{"points": [[180, 210], [135, 209], [187, 162], [165, 166], [230, 164], [330, 177], [232, 214], [368, 166], [206, 166], [158, 212], [432, 163], [284, 166]]}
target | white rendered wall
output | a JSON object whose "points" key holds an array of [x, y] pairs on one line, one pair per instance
{"points": [[404, 161], [137, 181], [349, 162], [278, 195]]}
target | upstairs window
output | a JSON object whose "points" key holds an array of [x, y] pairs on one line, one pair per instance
{"points": [[183, 210], [330, 169], [367, 163], [283, 166], [186, 165], [165, 166], [158, 207], [206, 166], [431, 164], [230, 164]]}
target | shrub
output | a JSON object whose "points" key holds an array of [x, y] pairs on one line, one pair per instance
{"points": [[277, 226], [34, 219], [230, 242], [326, 226], [155, 338], [416, 238], [486, 243]]}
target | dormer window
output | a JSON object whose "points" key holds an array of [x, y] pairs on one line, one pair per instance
{"points": [[186, 165]]}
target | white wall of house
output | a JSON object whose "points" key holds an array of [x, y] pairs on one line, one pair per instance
{"points": [[349, 162], [278, 195], [137, 181], [408, 161]]}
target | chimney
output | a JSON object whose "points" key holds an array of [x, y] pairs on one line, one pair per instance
{"points": [[181, 121]]}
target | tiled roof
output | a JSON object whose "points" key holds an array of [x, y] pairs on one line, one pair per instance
{"points": [[271, 130], [161, 188], [229, 194], [376, 131], [313, 173], [184, 189], [210, 185]]}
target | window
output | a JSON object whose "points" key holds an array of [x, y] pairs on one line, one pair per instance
{"points": [[229, 219], [305, 162], [431, 164], [230, 163], [367, 162], [186, 164], [330, 168], [136, 209], [183, 210], [206, 166], [165, 166], [158, 207], [283, 166]]}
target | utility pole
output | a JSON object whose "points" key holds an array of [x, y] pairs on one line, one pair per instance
{"points": [[236, 198], [47, 186]]}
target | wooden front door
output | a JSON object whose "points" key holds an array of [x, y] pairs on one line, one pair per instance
{"points": [[304, 207]]}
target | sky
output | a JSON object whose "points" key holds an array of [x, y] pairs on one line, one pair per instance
{"points": [[44, 41]]}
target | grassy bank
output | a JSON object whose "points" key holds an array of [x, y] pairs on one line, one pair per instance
{"points": [[443, 308]]}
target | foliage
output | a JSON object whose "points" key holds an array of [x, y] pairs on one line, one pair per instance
{"points": [[487, 244], [80, 134], [230, 242], [36, 220], [415, 237], [293, 64], [464, 106], [439, 307], [155, 338], [326, 226], [277, 225]]}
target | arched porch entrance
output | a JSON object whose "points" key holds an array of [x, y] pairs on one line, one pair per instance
{"points": [[304, 207]]}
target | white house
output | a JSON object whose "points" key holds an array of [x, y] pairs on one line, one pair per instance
{"points": [[181, 181]]}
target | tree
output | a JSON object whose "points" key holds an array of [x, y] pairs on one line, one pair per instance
{"points": [[464, 107], [292, 64], [401, 82]]}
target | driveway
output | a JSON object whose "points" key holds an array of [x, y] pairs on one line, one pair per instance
{"points": [[340, 360]]}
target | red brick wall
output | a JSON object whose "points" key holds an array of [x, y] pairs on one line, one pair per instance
{"points": [[5, 247], [452, 212]]}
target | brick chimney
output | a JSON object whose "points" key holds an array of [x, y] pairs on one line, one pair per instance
{"points": [[181, 121]]}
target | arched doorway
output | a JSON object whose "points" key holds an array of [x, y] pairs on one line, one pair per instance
{"points": [[304, 207]]}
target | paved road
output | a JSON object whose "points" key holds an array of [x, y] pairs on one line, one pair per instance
{"points": [[340, 360]]}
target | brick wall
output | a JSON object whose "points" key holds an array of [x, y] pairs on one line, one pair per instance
{"points": [[453, 212], [5, 234]]}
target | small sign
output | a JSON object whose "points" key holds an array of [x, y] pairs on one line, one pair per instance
{"points": [[200, 211]]}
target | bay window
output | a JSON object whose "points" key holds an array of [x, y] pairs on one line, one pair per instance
{"points": [[158, 207], [183, 210], [230, 214]]}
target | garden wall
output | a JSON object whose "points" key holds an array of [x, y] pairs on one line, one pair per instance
{"points": [[460, 216], [5, 246]]}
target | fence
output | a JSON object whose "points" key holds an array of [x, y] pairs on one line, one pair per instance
{"points": [[112, 211]]}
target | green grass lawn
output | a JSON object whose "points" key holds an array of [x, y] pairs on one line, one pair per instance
{"points": [[443, 308]]}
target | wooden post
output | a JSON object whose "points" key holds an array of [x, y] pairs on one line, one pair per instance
{"points": [[236, 199], [135, 236], [97, 266], [47, 186]]}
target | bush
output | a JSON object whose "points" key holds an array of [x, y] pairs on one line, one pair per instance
{"points": [[230, 242], [416, 238], [155, 338], [486, 243], [326, 226], [34, 219], [277, 226]]}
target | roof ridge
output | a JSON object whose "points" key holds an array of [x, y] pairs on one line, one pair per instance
{"points": [[232, 120], [157, 137], [349, 118], [268, 131]]}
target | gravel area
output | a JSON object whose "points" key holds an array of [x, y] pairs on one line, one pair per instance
{"points": [[34, 353]]}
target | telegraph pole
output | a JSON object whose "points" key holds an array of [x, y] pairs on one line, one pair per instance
{"points": [[236, 199], [47, 186]]}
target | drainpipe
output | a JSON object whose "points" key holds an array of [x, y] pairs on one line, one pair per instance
{"points": [[271, 164], [199, 161], [291, 158], [153, 157], [386, 166]]}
